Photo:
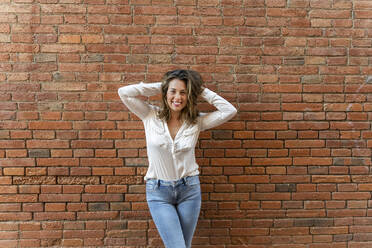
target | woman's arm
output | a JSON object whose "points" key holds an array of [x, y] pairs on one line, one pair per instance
{"points": [[128, 95], [225, 110]]}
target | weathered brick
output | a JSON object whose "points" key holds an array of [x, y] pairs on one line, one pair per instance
{"points": [[285, 187], [39, 153]]}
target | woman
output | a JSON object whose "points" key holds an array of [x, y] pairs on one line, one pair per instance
{"points": [[172, 183]]}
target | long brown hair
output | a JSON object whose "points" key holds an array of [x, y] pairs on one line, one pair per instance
{"points": [[194, 83]]}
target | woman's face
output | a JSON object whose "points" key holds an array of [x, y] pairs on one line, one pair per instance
{"points": [[176, 95]]}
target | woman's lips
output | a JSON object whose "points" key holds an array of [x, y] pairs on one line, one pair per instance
{"points": [[177, 104]]}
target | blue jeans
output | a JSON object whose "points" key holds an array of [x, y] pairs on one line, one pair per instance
{"points": [[175, 208]]}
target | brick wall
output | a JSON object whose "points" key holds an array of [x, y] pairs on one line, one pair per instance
{"points": [[290, 170]]}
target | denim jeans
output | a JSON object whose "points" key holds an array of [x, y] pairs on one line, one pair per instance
{"points": [[175, 208]]}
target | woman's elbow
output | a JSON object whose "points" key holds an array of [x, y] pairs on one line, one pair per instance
{"points": [[234, 111], [121, 91]]}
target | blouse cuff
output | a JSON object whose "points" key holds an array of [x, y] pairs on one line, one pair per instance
{"points": [[149, 89], [208, 95]]}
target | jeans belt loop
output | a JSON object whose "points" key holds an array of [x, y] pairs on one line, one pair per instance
{"points": [[184, 180]]}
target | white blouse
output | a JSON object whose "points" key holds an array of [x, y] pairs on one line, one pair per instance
{"points": [[172, 159]]}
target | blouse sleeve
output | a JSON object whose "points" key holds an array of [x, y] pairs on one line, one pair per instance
{"points": [[128, 94], [225, 110]]}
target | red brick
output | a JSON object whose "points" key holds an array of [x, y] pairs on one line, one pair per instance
{"points": [[15, 217], [263, 144], [59, 197], [330, 179], [97, 215], [57, 162], [59, 48], [55, 207], [92, 144], [47, 144]]}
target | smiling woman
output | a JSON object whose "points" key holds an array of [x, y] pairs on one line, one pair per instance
{"points": [[176, 102], [172, 183], [176, 96], [189, 85]]}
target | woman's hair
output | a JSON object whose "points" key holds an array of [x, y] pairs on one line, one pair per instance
{"points": [[193, 82]]}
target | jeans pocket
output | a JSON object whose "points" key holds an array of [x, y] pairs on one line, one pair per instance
{"points": [[151, 185], [194, 180]]}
